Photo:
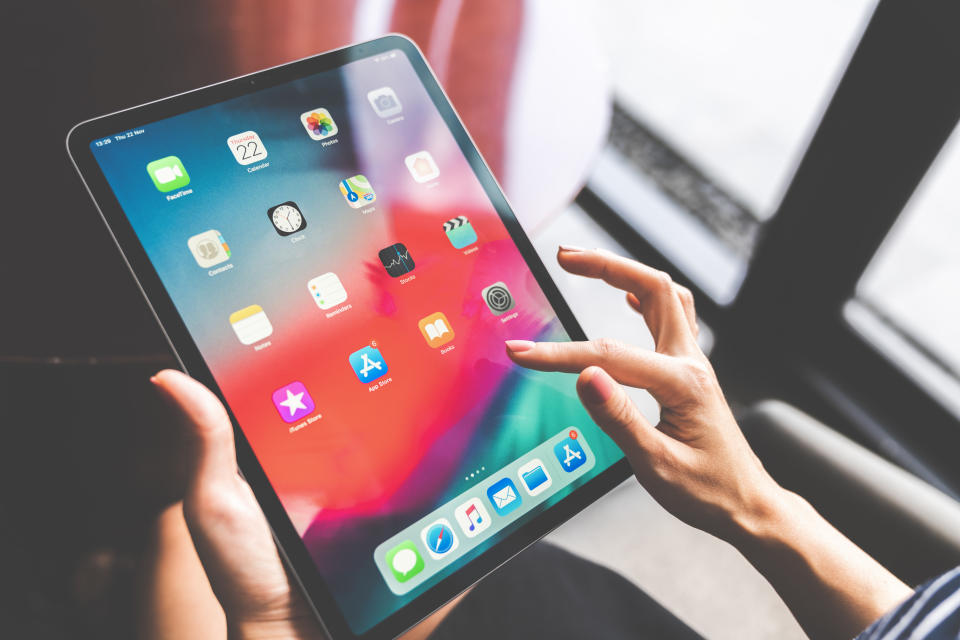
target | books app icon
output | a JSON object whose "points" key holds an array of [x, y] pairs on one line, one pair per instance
{"points": [[436, 329]]}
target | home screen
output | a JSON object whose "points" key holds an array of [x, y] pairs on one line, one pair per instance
{"points": [[350, 285]]}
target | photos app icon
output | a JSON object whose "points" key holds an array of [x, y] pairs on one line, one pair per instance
{"points": [[319, 124]]}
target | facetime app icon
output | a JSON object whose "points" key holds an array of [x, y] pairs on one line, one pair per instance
{"points": [[168, 174]]}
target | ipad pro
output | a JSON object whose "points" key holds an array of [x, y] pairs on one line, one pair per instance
{"points": [[324, 247]]}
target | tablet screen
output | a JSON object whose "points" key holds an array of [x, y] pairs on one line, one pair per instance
{"points": [[350, 285]]}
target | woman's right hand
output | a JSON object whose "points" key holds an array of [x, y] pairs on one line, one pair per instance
{"points": [[695, 462]]}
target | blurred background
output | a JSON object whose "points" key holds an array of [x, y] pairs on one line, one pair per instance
{"points": [[793, 163]]}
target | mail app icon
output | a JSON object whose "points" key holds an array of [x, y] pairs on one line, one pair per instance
{"points": [[503, 495]]}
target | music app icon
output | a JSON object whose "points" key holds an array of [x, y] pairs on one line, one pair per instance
{"points": [[472, 517]]}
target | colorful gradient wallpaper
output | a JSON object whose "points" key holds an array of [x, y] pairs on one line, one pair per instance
{"points": [[370, 458]]}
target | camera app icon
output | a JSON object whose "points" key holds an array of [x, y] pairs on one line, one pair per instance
{"points": [[385, 102]]}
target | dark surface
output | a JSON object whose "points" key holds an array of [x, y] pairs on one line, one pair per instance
{"points": [[546, 592], [90, 456]]}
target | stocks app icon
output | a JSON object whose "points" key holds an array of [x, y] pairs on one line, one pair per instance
{"points": [[498, 298], [396, 259]]}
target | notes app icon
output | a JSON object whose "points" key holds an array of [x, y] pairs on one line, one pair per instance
{"points": [[472, 517], [251, 324], [436, 329]]}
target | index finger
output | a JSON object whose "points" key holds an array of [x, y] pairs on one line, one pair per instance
{"points": [[654, 290]]}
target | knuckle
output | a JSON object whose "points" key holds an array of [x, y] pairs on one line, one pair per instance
{"points": [[663, 283], [699, 374], [621, 412], [607, 348]]}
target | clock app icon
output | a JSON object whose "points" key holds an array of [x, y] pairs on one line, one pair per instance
{"points": [[287, 218]]}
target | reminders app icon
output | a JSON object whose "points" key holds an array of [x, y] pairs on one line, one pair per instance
{"points": [[503, 496]]}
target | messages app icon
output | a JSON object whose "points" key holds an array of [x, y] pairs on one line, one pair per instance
{"points": [[168, 174], [404, 561], [503, 495]]}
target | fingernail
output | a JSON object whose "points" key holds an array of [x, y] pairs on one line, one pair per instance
{"points": [[519, 346], [598, 388], [153, 379], [571, 248]]}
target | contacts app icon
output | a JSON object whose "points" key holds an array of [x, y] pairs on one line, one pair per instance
{"points": [[503, 495]]}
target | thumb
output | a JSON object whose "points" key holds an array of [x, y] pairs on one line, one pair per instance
{"points": [[612, 409], [207, 425]]}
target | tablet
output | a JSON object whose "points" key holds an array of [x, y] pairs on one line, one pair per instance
{"points": [[324, 247]]}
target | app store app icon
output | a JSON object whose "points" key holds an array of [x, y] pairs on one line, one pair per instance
{"points": [[569, 453]]}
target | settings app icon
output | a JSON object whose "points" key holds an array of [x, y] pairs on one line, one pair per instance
{"points": [[498, 298]]}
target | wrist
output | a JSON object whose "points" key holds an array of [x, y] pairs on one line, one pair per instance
{"points": [[767, 518], [289, 629]]}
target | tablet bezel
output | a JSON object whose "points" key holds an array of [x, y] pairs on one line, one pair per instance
{"points": [[288, 540]]}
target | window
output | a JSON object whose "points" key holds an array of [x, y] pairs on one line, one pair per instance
{"points": [[736, 87], [908, 301]]}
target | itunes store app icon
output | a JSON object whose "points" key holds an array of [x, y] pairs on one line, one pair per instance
{"points": [[293, 401]]}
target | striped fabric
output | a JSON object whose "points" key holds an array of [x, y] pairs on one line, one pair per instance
{"points": [[931, 613]]}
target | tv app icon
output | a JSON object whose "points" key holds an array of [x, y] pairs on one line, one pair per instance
{"points": [[472, 517], [396, 259], [209, 248], [368, 364], [460, 232], [385, 102], [436, 329]]}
